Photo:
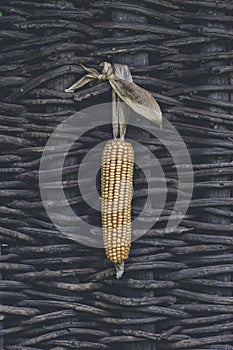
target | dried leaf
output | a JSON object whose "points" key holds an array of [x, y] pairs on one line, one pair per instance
{"points": [[140, 100], [115, 114], [81, 82], [120, 114], [108, 70], [137, 98], [92, 71], [120, 111]]}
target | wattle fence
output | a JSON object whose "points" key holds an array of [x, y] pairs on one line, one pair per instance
{"points": [[177, 289]]}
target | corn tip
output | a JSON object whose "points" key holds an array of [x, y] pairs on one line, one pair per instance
{"points": [[120, 268]]}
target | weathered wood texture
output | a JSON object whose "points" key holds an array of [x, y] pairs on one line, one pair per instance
{"points": [[221, 95], [60, 295]]}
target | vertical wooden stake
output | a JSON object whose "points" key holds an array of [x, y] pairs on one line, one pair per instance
{"points": [[223, 79]]}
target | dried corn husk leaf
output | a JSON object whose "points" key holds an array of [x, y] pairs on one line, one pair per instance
{"points": [[139, 99], [80, 83], [120, 111]]}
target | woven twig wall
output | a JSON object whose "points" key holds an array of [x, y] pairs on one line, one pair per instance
{"points": [[57, 294]]}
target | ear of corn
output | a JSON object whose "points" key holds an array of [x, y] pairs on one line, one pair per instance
{"points": [[116, 190]]}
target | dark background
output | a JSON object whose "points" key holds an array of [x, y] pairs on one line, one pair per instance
{"points": [[177, 289]]}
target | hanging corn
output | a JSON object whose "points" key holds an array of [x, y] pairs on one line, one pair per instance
{"points": [[118, 158], [116, 190]]}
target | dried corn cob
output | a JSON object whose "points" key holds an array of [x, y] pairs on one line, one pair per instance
{"points": [[117, 188]]}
